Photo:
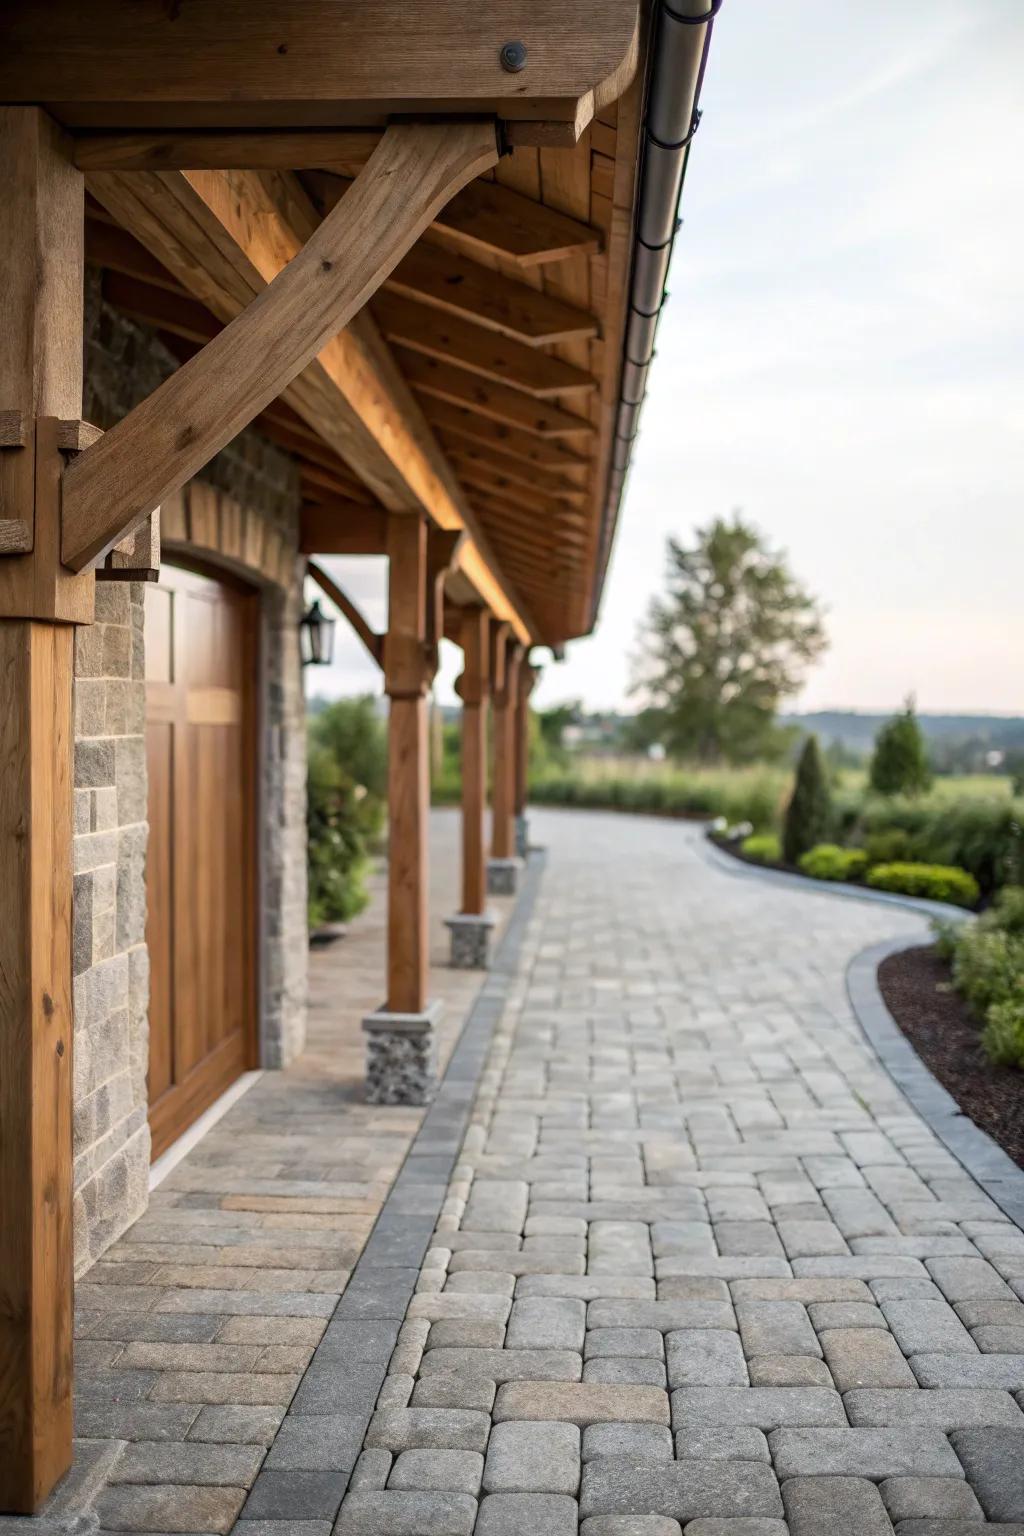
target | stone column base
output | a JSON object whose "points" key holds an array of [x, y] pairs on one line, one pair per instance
{"points": [[523, 836], [471, 940], [401, 1056], [503, 876]]}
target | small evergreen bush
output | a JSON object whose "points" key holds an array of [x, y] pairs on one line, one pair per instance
{"points": [[808, 812], [1003, 1035], [762, 847], [988, 966], [988, 972], [899, 764], [830, 862], [937, 882]]}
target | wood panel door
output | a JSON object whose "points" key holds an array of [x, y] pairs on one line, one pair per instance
{"points": [[200, 875]]}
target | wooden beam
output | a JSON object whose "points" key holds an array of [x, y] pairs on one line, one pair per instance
{"points": [[373, 642], [109, 246], [506, 470], [164, 441], [225, 237], [344, 150], [458, 421], [509, 406], [40, 376], [141, 64], [493, 220], [473, 688], [160, 308], [342, 529], [439, 277], [481, 351]]}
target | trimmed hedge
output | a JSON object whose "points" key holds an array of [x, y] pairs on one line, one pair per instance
{"points": [[937, 882], [762, 847], [988, 971], [830, 862]]}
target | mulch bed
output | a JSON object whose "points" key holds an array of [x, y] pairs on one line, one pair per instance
{"points": [[946, 1035]]}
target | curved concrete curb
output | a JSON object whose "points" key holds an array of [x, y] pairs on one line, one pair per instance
{"points": [[983, 1158], [729, 865]]}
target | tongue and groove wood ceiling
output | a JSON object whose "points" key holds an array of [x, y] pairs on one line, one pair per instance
{"points": [[505, 321]]}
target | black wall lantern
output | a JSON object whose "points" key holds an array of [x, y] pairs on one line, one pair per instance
{"points": [[316, 637]]}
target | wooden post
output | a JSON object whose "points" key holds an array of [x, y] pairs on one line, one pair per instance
{"points": [[472, 688], [406, 680], [527, 680], [41, 266], [502, 869]]}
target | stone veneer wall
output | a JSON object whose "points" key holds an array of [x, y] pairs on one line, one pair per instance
{"points": [[124, 362]]}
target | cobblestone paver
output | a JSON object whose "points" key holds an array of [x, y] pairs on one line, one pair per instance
{"points": [[700, 1267]]}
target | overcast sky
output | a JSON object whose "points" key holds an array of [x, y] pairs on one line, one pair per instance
{"points": [[842, 353]]}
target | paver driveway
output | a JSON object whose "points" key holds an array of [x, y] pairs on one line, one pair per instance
{"points": [[700, 1264]]}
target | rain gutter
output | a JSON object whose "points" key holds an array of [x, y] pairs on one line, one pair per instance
{"points": [[671, 117]]}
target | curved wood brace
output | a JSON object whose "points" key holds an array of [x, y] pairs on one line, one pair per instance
{"points": [[112, 487], [373, 642]]}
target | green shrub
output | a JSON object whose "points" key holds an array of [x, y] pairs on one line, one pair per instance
{"points": [[988, 966], [830, 862], [1003, 1035], [808, 812], [938, 882], [1007, 910], [982, 835], [346, 785], [892, 846], [762, 847], [899, 764]]}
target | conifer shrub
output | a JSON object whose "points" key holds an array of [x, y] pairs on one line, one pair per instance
{"points": [[899, 764], [808, 813]]}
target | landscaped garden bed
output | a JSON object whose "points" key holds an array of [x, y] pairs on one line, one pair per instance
{"points": [[944, 1031]]}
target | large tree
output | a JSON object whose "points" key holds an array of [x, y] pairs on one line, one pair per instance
{"points": [[732, 637]]}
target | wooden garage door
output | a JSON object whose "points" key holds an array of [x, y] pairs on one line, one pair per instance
{"points": [[200, 748]]}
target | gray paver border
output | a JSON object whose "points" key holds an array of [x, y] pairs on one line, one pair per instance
{"points": [[982, 1157], [351, 1360]]}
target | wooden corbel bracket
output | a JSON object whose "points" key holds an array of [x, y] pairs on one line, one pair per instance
{"points": [[373, 642], [115, 484]]}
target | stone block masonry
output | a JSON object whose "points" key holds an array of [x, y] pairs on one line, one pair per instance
{"points": [[110, 962]]}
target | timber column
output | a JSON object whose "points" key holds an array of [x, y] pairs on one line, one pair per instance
{"points": [[527, 681], [503, 866], [41, 276], [401, 1047], [471, 928]]}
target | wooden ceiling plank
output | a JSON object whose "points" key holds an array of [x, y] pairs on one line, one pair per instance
{"points": [[496, 401], [454, 283], [481, 351]]}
